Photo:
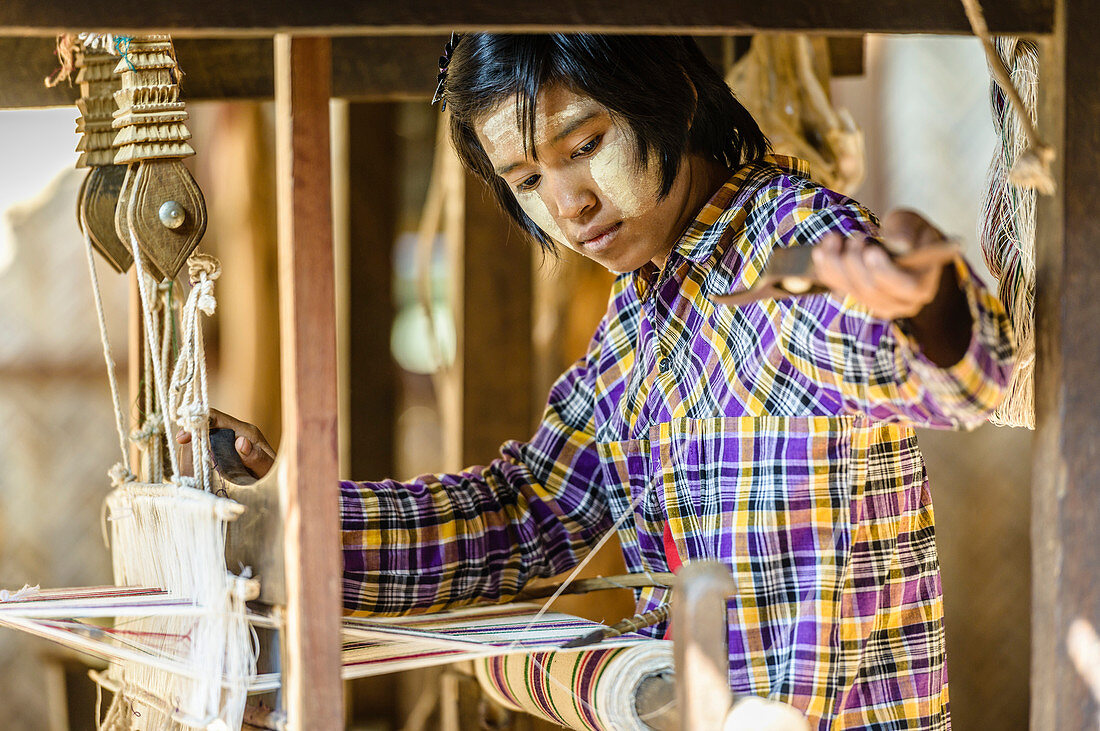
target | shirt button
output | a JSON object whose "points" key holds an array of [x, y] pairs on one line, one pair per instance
{"points": [[663, 365]]}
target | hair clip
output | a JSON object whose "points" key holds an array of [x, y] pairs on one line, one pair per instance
{"points": [[444, 62]]}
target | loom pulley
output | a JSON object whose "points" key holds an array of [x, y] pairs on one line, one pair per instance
{"points": [[138, 185]]}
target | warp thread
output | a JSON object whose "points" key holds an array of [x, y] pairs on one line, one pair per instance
{"points": [[1031, 168]]}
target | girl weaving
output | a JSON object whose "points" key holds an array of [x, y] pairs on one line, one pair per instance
{"points": [[776, 437]]}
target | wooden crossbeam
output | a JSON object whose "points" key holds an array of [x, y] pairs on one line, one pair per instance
{"points": [[374, 68], [424, 17], [382, 68]]}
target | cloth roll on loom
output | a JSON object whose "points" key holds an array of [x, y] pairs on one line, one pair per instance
{"points": [[589, 689]]}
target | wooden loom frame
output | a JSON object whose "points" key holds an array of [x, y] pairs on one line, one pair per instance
{"points": [[367, 63]]}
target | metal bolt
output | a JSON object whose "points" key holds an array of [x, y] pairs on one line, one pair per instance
{"points": [[171, 214]]}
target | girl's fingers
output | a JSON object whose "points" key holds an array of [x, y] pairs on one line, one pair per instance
{"points": [[862, 268], [254, 458], [254, 451], [901, 285]]}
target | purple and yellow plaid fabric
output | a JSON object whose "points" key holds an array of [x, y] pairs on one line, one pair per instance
{"points": [[777, 437]]}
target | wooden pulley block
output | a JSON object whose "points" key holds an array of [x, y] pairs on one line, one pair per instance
{"points": [[164, 208], [99, 194]]}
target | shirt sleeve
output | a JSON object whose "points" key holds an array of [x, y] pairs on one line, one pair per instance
{"points": [[444, 540], [873, 366]]}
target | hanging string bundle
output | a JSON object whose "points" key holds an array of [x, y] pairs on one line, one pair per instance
{"points": [[1007, 233], [1021, 168]]}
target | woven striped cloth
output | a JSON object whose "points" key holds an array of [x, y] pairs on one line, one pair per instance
{"points": [[592, 689], [776, 437]]}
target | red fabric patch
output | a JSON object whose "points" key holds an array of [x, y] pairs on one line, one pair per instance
{"points": [[672, 556]]}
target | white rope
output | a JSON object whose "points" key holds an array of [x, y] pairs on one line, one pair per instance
{"points": [[117, 476], [154, 342], [189, 401]]}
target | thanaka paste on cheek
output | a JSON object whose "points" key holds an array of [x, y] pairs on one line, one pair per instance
{"points": [[533, 205], [505, 138], [631, 189]]}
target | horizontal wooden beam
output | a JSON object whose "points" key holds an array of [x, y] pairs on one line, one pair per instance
{"points": [[382, 68], [378, 68], [427, 17]]}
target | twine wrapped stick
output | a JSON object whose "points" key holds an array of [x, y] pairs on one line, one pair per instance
{"points": [[1032, 167]]}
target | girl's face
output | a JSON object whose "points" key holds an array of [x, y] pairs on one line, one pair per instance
{"points": [[587, 189]]}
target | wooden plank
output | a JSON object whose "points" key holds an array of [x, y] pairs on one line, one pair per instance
{"points": [[372, 229], [846, 55], [1065, 497], [308, 455], [375, 69], [360, 17], [495, 344], [386, 68]]}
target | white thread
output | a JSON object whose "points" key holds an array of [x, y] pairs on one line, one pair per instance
{"points": [[154, 343], [108, 355], [26, 591]]}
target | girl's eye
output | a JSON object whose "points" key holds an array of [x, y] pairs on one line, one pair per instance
{"points": [[588, 147], [528, 183]]}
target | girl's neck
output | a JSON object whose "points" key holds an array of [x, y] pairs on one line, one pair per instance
{"points": [[704, 176]]}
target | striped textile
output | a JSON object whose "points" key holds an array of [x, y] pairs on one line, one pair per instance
{"points": [[387, 645], [777, 437], [591, 689]]}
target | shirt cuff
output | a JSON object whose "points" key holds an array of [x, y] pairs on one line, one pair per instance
{"points": [[970, 390]]}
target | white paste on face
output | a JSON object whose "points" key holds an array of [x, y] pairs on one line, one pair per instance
{"points": [[631, 189], [501, 130], [613, 169], [506, 140], [533, 205], [504, 134]]}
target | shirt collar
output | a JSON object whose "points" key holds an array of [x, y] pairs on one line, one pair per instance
{"points": [[701, 238]]}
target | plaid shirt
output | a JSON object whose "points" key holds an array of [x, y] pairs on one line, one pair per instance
{"points": [[775, 437]]}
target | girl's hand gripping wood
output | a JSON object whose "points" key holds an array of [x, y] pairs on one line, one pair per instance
{"points": [[253, 449]]}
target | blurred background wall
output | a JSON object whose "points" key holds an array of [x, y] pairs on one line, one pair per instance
{"points": [[921, 102]]}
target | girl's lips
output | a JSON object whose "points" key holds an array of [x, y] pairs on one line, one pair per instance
{"points": [[602, 241]]}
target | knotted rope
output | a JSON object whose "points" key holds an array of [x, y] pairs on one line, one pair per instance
{"points": [[189, 400]]}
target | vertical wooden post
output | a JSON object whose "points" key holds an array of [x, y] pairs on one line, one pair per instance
{"points": [[701, 649], [1066, 492], [309, 452], [372, 228], [496, 351]]}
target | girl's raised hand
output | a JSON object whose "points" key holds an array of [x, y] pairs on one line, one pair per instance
{"points": [[256, 454], [890, 289]]}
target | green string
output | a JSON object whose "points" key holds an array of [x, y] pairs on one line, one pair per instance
{"points": [[122, 48]]}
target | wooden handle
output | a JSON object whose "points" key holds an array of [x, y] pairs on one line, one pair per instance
{"points": [[791, 273]]}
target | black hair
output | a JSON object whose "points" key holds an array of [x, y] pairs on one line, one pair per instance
{"points": [[662, 87]]}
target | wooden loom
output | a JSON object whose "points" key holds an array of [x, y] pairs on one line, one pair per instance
{"points": [[162, 664], [1066, 505]]}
